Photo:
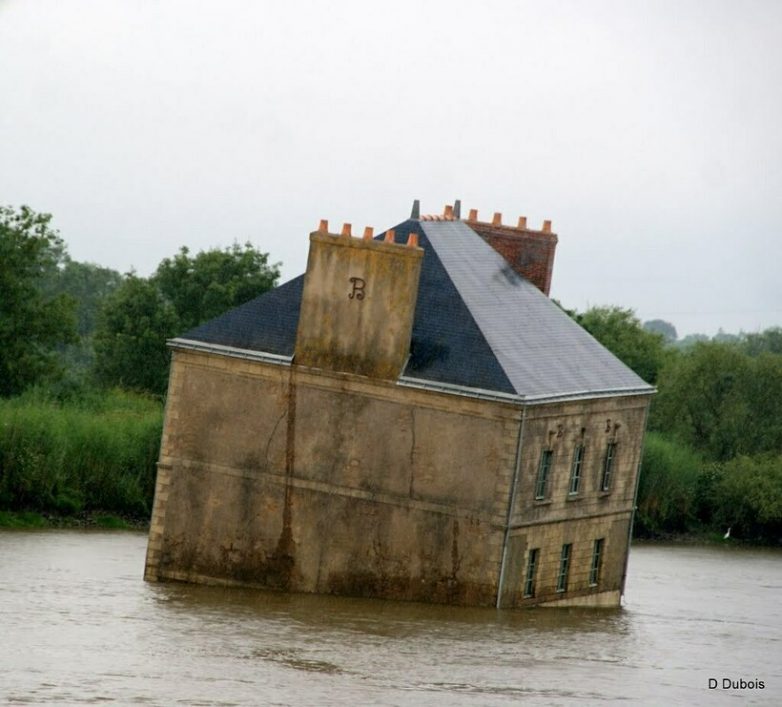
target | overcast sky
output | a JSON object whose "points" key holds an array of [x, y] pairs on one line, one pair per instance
{"points": [[649, 132]]}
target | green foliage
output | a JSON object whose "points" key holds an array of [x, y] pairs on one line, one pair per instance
{"points": [[745, 493], [667, 487], [690, 340], [110, 522], [663, 328], [32, 324], [768, 341], [140, 315], [721, 401], [94, 453], [86, 283], [25, 519], [130, 340], [208, 284], [621, 332]]}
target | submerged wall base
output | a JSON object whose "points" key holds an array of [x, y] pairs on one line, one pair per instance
{"points": [[603, 600]]}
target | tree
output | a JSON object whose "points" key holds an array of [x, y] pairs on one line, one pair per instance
{"points": [[621, 332], [721, 401], [206, 285], [32, 323], [138, 317], [665, 329], [769, 340], [745, 493], [130, 340], [88, 285]]}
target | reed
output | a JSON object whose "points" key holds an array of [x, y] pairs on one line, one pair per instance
{"points": [[87, 452]]}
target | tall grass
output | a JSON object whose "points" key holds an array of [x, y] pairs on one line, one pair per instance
{"points": [[667, 490], [95, 450]]}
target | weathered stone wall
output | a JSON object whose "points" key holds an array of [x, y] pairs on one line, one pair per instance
{"points": [[290, 478], [357, 306], [577, 517], [303, 480]]}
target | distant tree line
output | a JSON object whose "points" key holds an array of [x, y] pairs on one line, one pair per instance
{"points": [[83, 357]]}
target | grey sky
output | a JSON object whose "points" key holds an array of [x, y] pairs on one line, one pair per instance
{"points": [[649, 132]]}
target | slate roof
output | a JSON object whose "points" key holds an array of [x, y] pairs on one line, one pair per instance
{"points": [[478, 325]]}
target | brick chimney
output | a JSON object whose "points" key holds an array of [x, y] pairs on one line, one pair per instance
{"points": [[529, 252], [358, 303]]}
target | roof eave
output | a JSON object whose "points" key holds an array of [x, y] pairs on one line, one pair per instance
{"points": [[234, 352]]}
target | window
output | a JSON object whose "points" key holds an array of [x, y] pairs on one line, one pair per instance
{"points": [[597, 561], [564, 567], [608, 467], [532, 570], [541, 485], [575, 470]]}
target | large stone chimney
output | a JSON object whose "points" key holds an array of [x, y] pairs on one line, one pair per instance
{"points": [[529, 252], [358, 303]]}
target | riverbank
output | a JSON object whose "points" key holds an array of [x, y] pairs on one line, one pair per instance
{"points": [[32, 520]]}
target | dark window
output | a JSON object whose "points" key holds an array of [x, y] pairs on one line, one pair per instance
{"points": [[544, 471], [608, 467], [532, 570], [575, 470], [564, 567], [597, 561]]}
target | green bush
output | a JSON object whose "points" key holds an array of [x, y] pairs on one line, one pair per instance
{"points": [[94, 451], [667, 487], [745, 494]]}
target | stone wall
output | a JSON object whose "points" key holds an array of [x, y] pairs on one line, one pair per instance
{"points": [[298, 479], [303, 480], [580, 516]]}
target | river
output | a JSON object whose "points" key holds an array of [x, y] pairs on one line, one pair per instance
{"points": [[79, 626]]}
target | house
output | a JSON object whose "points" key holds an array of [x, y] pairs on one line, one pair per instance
{"points": [[411, 419]]}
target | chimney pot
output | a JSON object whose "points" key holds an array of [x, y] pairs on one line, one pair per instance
{"points": [[457, 209], [412, 240], [390, 235], [324, 226], [473, 215], [346, 229], [448, 212], [522, 223], [416, 212], [547, 226], [497, 220], [368, 233]]}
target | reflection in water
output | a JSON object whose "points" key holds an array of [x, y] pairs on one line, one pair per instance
{"points": [[80, 626]]}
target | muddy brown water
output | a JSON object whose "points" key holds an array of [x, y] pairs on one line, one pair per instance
{"points": [[79, 626]]}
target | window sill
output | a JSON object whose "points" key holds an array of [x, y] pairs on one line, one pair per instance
{"points": [[574, 497], [542, 502]]}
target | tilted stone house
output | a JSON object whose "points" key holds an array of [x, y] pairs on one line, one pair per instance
{"points": [[413, 419]]}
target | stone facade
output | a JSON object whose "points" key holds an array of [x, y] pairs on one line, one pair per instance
{"points": [[305, 480], [330, 472]]}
